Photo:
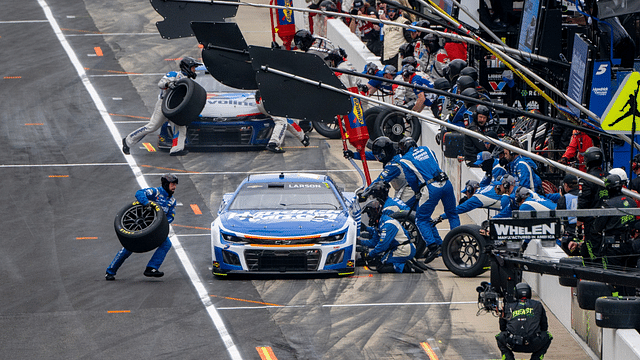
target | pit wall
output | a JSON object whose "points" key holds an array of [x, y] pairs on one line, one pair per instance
{"points": [[614, 344]]}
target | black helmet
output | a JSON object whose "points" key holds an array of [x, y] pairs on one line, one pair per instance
{"points": [[303, 39], [383, 149], [453, 69], [371, 68], [410, 60], [593, 157], [328, 5], [508, 182], [483, 110], [613, 184], [405, 144], [408, 70], [470, 187], [335, 57], [430, 38], [523, 291], [472, 93], [513, 142], [470, 71], [422, 23], [378, 190], [441, 84], [186, 64], [373, 210], [465, 82], [167, 179], [522, 194]]}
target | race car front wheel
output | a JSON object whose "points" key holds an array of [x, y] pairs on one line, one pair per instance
{"points": [[184, 102], [141, 228], [331, 131]]}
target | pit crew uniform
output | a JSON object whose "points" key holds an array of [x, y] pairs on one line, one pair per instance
{"points": [[523, 168], [524, 328], [485, 197], [391, 242], [168, 204], [496, 172], [424, 175], [158, 118]]}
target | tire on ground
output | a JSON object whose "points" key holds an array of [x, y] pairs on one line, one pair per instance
{"points": [[391, 123], [331, 131], [141, 229], [570, 281], [185, 102], [370, 116], [408, 222], [615, 312], [463, 251], [588, 291]]}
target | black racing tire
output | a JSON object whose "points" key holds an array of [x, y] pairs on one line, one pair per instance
{"points": [[370, 116], [588, 292], [331, 131], [141, 228], [392, 124], [185, 102], [615, 312], [570, 281], [463, 251], [408, 222]]}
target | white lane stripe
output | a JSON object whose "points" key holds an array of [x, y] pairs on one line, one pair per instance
{"points": [[351, 305], [114, 34], [60, 165], [23, 21], [182, 255], [131, 74]]}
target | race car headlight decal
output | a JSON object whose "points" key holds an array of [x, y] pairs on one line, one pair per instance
{"points": [[331, 239], [234, 239], [335, 257]]}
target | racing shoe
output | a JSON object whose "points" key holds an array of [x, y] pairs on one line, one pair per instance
{"points": [[151, 272], [305, 141], [109, 277], [125, 147], [431, 252], [275, 148], [179, 152]]}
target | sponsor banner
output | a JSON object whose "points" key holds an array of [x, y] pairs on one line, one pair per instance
{"points": [[578, 72], [524, 229], [600, 87]]}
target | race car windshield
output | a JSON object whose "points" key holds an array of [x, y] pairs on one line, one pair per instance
{"points": [[286, 196]]}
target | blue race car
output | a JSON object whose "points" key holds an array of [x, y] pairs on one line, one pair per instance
{"points": [[230, 120], [286, 223]]}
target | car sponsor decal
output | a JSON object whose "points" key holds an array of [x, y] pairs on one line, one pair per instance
{"points": [[296, 215]]}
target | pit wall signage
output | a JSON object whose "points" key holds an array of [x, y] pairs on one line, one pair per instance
{"points": [[524, 229]]}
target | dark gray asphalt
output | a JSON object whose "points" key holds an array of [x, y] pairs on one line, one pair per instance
{"points": [[64, 178]]}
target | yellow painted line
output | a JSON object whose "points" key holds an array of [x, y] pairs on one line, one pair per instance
{"points": [[132, 116], [300, 147], [33, 124], [244, 300], [149, 147], [191, 227], [87, 238], [360, 276], [98, 51], [58, 176], [12, 77], [266, 353], [427, 349], [196, 209], [118, 311]]}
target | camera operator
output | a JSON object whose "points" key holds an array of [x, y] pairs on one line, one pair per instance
{"points": [[523, 326]]}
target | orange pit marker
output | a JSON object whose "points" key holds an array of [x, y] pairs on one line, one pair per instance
{"points": [[196, 209], [266, 353], [98, 51], [149, 147]]}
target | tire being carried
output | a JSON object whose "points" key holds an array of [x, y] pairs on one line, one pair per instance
{"points": [[463, 251], [394, 125], [141, 228], [184, 102]]}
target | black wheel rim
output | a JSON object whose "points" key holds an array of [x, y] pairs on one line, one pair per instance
{"points": [[138, 218], [329, 127], [396, 127], [464, 251]]}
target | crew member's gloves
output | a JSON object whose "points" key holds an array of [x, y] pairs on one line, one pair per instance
{"points": [[436, 221], [364, 88], [563, 160], [171, 85], [348, 154]]}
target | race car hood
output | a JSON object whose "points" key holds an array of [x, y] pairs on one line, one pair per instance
{"points": [[229, 105], [284, 223]]}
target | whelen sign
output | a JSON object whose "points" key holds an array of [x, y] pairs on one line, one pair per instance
{"points": [[521, 229]]}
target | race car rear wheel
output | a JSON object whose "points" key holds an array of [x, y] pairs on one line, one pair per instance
{"points": [[394, 125], [463, 251], [185, 102], [331, 131], [141, 228]]}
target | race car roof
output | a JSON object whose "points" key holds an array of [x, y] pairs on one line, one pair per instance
{"points": [[287, 177]]}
